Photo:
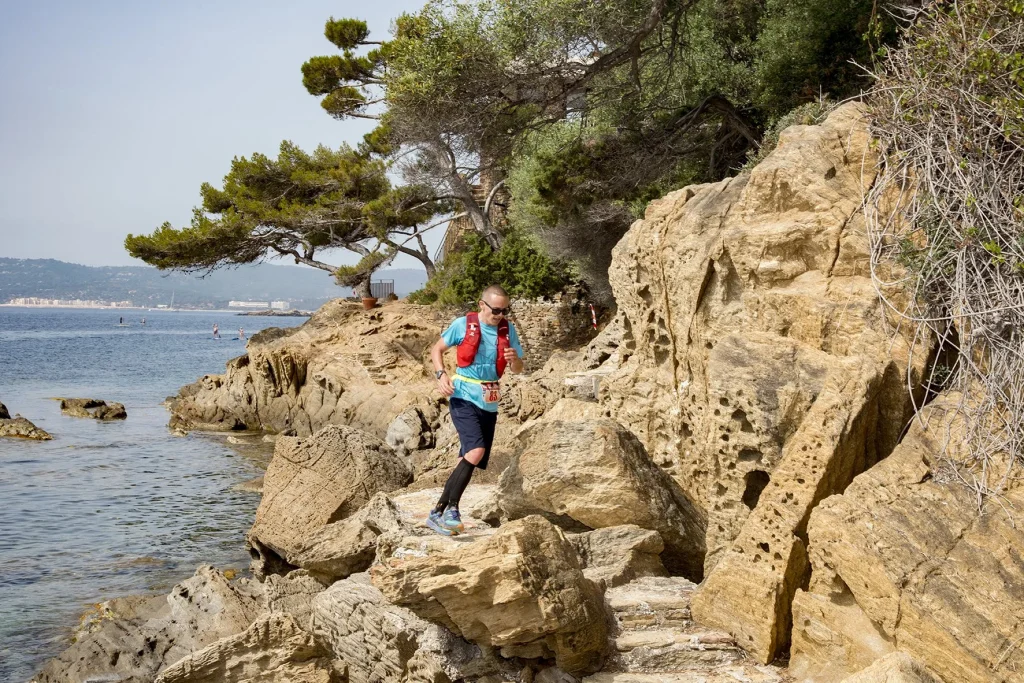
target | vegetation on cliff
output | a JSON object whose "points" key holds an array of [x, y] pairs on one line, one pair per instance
{"points": [[949, 206], [557, 119]]}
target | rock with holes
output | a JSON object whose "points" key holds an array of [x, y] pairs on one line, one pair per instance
{"points": [[272, 650], [596, 474], [381, 642], [750, 590], [616, 555], [521, 591], [754, 346], [321, 479], [344, 365], [132, 639], [915, 558]]}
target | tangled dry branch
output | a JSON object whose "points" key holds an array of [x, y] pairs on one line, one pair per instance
{"points": [[948, 207]]}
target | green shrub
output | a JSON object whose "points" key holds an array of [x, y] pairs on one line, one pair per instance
{"points": [[519, 266]]}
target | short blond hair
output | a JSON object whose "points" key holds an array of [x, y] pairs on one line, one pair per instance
{"points": [[496, 290]]}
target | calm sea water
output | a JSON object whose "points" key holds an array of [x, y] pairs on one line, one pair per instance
{"points": [[111, 509]]}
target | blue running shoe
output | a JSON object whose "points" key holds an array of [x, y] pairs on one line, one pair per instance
{"points": [[435, 522], [452, 520]]}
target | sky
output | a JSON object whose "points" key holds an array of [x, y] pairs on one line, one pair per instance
{"points": [[112, 113]]}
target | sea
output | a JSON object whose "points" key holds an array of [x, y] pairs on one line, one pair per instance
{"points": [[116, 508]]}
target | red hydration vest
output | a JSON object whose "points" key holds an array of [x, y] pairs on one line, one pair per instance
{"points": [[471, 342]]}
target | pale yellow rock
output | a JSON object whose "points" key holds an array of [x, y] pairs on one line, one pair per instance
{"points": [[595, 473], [521, 590], [272, 650], [617, 555], [132, 639], [940, 579], [339, 549], [893, 668], [833, 638], [382, 643], [317, 480], [344, 366], [756, 364]]}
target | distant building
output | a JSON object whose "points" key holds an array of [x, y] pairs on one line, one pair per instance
{"points": [[248, 304], [279, 305]]}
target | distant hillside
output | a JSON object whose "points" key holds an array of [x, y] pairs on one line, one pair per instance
{"points": [[305, 288]]}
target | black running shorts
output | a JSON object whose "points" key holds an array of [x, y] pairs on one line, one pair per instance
{"points": [[475, 427]]}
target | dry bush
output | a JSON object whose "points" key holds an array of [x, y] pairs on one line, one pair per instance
{"points": [[948, 206]]}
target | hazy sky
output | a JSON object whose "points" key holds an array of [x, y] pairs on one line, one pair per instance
{"points": [[112, 113]]}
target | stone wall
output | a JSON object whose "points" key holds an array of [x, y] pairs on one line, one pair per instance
{"points": [[545, 327]]}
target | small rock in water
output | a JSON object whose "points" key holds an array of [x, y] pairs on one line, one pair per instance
{"points": [[20, 428], [92, 408], [4, 415]]}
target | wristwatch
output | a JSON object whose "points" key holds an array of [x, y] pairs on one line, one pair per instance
{"points": [[439, 373]]}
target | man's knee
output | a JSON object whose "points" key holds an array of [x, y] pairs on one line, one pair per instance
{"points": [[474, 456]]}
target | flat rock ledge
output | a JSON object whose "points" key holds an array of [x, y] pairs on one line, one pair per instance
{"points": [[93, 408]]}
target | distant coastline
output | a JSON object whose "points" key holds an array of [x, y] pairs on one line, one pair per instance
{"points": [[35, 302]]}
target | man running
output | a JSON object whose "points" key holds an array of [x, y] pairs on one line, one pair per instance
{"points": [[487, 345]]}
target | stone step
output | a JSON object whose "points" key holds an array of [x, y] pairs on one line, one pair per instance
{"points": [[725, 674], [651, 602], [655, 638]]}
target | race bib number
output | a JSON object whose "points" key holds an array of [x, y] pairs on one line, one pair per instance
{"points": [[492, 392]]}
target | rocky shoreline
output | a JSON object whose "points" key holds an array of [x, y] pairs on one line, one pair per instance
{"points": [[718, 487]]}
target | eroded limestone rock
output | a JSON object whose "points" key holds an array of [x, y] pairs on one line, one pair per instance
{"points": [[616, 555], [521, 590], [348, 546], [272, 650], [756, 364], [133, 638], [381, 642], [897, 667], [595, 474], [940, 580], [317, 480], [343, 366]]}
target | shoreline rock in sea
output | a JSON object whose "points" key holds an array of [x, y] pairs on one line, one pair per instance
{"points": [[92, 408], [18, 427]]}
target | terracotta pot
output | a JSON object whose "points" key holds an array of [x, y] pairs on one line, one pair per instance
{"points": [[369, 302]]}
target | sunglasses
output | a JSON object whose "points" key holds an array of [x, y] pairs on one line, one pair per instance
{"points": [[497, 311]]}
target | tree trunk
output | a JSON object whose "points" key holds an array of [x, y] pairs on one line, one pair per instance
{"points": [[362, 289]]}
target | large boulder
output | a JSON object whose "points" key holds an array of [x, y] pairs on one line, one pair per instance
{"points": [[314, 481], [907, 550], [93, 408], [756, 364], [521, 590], [272, 650], [595, 474], [4, 415], [381, 642], [343, 366], [20, 428]]}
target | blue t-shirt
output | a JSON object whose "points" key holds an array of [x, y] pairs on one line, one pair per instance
{"points": [[484, 365]]}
